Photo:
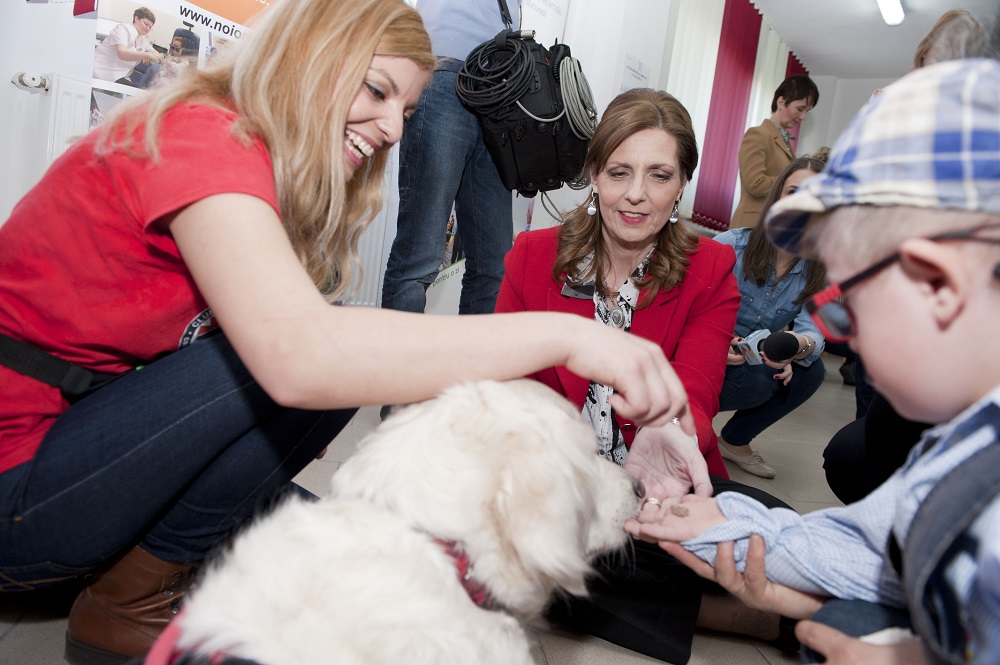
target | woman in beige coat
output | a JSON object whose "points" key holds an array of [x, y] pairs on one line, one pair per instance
{"points": [[767, 149]]}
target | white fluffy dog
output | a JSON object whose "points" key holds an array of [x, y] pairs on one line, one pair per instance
{"points": [[499, 481]]}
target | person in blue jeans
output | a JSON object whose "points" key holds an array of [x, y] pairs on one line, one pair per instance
{"points": [[773, 285], [443, 160]]}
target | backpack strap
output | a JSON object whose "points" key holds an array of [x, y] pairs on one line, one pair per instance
{"points": [[939, 531], [505, 14], [73, 381]]}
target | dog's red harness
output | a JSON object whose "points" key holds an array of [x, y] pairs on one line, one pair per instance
{"points": [[164, 650], [477, 591]]}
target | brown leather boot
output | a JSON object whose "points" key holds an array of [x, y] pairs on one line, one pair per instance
{"points": [[119, 616]]}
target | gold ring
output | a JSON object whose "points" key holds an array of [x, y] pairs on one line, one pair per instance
{"points": [[652, 500]]}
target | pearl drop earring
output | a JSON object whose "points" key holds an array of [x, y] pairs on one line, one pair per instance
{"points": [[674, 216], [592, 208]]}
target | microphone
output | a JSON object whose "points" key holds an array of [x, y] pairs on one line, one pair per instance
{"points": [[782, 347]]}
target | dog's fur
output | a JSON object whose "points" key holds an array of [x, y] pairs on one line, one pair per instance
{"points": [[506, 471]]}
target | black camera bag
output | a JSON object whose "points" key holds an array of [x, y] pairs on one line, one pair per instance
{"points": [[512, 84]]}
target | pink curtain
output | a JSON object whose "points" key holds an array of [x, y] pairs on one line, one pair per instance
{"points": [[795, 66], [84, 7], [713, 202]]}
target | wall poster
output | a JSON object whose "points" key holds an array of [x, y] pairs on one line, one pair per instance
{"points": [[176, 35]]}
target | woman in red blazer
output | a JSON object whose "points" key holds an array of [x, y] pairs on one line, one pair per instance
{"points": [[642, 155], [692, 322], [623, 259]]}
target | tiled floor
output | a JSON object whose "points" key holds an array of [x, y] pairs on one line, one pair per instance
{"points": [[32, 628]]}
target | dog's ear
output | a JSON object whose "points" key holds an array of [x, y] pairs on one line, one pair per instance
{"points": [[541, 515]]}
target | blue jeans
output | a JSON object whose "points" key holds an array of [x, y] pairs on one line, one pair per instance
{"points": [[172, 457], [856, 618], [760, 400], [443, 159]]}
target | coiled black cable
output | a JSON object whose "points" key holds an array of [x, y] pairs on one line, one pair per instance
{"points": [[488, 83]]}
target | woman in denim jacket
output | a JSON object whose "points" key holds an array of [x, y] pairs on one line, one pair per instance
{"points": [[773, 285]]}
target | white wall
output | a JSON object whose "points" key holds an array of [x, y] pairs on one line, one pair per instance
{"points": [[850, 96], [38, 38], [840, 101], [816, 127]]}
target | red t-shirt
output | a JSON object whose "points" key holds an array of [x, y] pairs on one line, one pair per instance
{"points": [[89, 270]]}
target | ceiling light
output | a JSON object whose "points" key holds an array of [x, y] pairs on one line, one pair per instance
{"points": [[892, 11]]}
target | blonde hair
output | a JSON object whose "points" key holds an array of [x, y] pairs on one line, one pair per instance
{"points": [[581, 234], [292, 81]]}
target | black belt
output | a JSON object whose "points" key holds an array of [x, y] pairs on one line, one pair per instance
{"points": [[73, 381]]}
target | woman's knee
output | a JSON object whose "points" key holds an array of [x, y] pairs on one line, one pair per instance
{"points": [[747, 386], [808, 379]]}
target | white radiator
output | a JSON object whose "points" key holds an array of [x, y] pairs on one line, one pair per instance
{"points": [[368, 293], [64, 114], [373, 245]]}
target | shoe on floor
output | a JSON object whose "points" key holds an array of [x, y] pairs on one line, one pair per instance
{"points": [[847, 371], [117, 618], [752, 463]]}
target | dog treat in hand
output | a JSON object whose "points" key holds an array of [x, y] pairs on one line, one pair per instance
{"points": [[679, 510]]}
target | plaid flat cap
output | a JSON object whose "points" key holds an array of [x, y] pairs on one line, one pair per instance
{"points": [[929, 140]]}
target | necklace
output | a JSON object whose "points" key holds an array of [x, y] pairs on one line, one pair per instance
{"points": [[616, 316]]}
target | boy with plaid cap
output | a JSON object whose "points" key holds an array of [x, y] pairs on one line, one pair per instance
{"points": [[906, 217]]}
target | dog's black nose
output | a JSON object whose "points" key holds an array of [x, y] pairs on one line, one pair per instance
{"points": [[638, 488]]}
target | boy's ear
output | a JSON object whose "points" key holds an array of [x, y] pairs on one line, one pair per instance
{"points": [[939, 271]]}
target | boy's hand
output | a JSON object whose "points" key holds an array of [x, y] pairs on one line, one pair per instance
{"points": [[676, 521], [751, 586], [841, 649]]}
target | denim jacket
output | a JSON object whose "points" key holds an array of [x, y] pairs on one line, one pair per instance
{"points": [[771, 306]]}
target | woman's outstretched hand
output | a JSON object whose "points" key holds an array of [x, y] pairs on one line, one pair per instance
{"points": [[667, 461], [647, 390]]}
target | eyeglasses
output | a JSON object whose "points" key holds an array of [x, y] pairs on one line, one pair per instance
{"points": [[175, 49], [832, 315]]}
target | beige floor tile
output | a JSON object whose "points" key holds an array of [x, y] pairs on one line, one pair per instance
{"points": [[564, 649]]}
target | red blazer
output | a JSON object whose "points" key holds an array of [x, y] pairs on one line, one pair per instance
{"points": [[693, 323]]}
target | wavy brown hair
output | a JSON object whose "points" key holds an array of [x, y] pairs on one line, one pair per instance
{"points": [[760, 256], [956, 34], [292, 80], [582, 235]]}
